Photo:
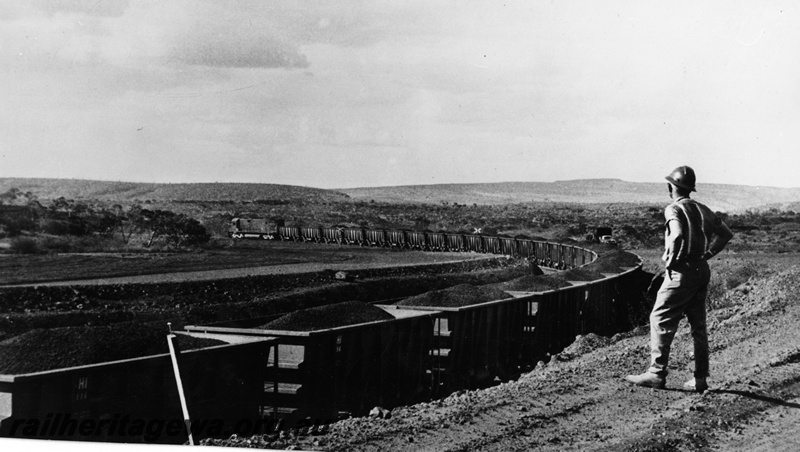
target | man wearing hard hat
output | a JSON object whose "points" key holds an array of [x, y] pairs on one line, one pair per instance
{"points": [[693, 235]]}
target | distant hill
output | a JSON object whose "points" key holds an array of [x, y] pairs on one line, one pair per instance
{"points": [[728, 198], [130, 191]]}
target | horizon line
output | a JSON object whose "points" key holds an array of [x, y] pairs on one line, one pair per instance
{"points": [[384, 186]]}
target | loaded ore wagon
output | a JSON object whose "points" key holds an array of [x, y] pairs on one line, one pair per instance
{"points": [[526, 248], [376, 237], [326, 367], [290, 233], [397, 239], [311, 234], [455, 242], [477, 334], [491, 244], [417, 240], [474, 243], [354, 236], [508, 246], [136, 400], [437, 241], [578, 302], [332, 235]]}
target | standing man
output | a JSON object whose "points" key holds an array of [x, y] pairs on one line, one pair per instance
{"points": [[693, 235]]}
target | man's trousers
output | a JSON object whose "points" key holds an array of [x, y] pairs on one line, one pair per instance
{"points": [[682, 293]]}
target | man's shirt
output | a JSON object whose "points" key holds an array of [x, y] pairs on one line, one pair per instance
{"points": [[698, 223]]}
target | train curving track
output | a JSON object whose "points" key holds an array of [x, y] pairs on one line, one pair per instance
{"points": [[317, 376]]}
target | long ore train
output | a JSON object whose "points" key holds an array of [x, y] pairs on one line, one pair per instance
{"points": [[263, 379], [393, 238]]}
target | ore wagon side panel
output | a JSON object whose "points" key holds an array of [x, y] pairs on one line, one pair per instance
{"points": [[219, 382]]}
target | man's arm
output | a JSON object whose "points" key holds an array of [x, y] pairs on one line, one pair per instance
{"points": [[674, 241], [722, 235]]}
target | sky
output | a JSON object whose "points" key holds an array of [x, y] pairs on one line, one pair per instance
{"points": [[341, 94]]}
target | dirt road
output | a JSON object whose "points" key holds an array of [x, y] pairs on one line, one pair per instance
{"points": [[580, 402]]}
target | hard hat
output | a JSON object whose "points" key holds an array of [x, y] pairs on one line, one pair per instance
{"points": [[682, 176]]}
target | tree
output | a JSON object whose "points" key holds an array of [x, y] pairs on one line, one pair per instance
{"points": [[126, 222], [187, 232], [65, 216], [176, 229], [16, 197]]}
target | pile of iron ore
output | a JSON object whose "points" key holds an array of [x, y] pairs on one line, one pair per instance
{"points": [[588, 273], [329, 316], [614, 261], [457, 296], [56, 348], [531, 283]]}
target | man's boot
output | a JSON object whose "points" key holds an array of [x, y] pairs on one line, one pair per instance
{"points": [[697, 384], [648, 379]]}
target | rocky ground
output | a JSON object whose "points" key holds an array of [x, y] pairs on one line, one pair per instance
{"points": [[580, 401]]}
